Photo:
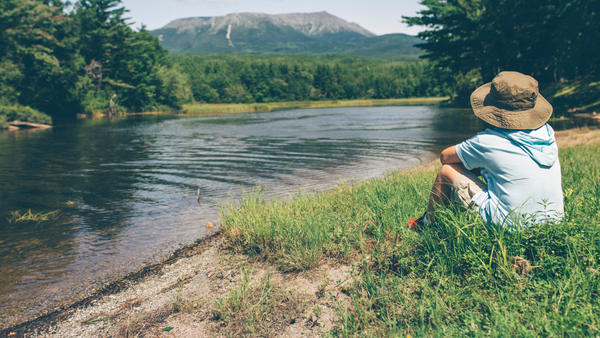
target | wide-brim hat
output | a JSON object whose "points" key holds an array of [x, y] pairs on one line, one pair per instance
{"points": [[511, 101]]}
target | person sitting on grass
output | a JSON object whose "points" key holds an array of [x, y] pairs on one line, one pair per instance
{"points": [[518, 159]]}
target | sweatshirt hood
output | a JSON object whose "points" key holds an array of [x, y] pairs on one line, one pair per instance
{"points": [[539, 144]]}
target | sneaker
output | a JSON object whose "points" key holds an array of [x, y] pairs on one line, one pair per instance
{"points": [[415, 224]]}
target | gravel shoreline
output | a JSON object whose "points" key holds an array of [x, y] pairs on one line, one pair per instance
{"points": [[189, 260], [175, 298]]}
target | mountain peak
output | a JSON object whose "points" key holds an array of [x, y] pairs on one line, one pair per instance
{"points": [[311, 24], [320, 23], [294, 33]]}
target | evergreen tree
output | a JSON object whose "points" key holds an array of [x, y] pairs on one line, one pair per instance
{"points": [[38, 57], [67, 64], [124, 66], [103, 31]]}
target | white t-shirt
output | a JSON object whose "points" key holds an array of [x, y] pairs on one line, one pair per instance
{"points": [[522, 171]]}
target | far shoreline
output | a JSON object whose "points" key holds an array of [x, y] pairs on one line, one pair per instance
{"points": [[232, 108]]}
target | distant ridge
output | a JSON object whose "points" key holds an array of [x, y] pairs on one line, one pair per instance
{"points": [[311, 24], [297, 33]]}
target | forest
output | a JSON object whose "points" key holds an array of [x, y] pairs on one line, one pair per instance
{"points": [[229, 78], [64, 59], [555, 41], [552, 40]]}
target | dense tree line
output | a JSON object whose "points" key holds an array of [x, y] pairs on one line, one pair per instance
{"points": [[64, 61], [271, 78], [552, 40]]}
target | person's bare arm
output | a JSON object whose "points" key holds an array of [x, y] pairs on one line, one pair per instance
{"points": [[449, 156]]}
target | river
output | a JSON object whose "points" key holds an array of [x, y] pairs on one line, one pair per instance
{"points": [[124, 190]]}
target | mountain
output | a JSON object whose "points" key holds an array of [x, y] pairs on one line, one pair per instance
{"points": [[298, 33]]}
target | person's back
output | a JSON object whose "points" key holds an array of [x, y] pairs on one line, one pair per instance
{"points": [[522, 172]]}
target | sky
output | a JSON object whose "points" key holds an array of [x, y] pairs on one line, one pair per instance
{"points": [[377, 16]]}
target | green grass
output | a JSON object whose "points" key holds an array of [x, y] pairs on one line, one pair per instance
{"points": [[570, 97], [258, 107], [457, 278]]}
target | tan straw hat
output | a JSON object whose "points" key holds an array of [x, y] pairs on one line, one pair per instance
{"points": [[511, 101]]}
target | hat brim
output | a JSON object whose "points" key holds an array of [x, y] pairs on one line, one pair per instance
{"points": [[483, 106]]}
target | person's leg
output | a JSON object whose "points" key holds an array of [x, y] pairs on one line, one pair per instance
{"points": [[442, 187], [454, 183]]}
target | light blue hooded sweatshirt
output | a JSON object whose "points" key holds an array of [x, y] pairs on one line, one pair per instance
{"points": [[522, 171]]}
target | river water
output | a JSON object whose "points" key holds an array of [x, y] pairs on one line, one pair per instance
{"points": [[124, 190]]}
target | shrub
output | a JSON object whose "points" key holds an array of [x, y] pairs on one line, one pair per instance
{"points": [[23, 114], [3, 123]]}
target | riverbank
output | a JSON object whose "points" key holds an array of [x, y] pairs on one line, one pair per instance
{"points": [[16, 117], [343, 262], [264, 107], [232, 108]]}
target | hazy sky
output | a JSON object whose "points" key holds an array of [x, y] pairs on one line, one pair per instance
{"points": [[378, 16]]}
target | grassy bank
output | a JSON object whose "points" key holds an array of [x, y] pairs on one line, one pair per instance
{"points": [[21, 113], [571, 97], [261, 107], [458, 278]]}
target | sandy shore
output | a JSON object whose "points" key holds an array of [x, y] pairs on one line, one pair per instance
{"points": [[177, 297], [577, 136]]}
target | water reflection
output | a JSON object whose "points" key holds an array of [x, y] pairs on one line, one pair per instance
{"points": [[126, 188]]}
